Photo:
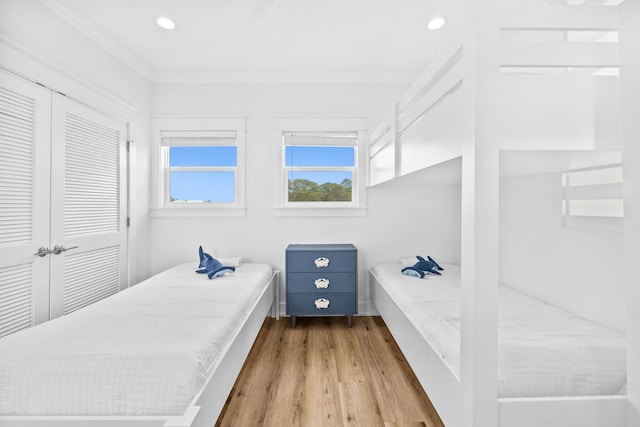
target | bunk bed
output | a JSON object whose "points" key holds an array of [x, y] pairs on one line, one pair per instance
{"points": [[165, 352], [543, 352], [511, 75]]}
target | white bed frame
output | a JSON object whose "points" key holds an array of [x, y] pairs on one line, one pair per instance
{"points": [[204, 409], [445, 391]]}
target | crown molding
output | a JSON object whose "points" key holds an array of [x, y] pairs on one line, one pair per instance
{"points": [[87, 26], [93, 31], [256, 77], [33, 67]]}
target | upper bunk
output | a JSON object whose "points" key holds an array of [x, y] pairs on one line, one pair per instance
{"points": [[547, 80]]}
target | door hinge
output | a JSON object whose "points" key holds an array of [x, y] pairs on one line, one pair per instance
{"points": [[128, 221], [129, 144]]}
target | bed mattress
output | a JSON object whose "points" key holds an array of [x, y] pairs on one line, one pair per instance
{"points": [[147, 350], [543, 351]]}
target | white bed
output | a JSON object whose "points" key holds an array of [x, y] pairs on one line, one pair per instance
{"points": [[544, 354], [164, 352]]}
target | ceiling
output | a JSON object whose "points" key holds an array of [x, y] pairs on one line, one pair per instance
{"points": [[377, 41]]}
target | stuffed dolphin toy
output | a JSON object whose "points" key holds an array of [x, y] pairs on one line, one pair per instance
{"points": [[422, 267], [211, 266]]}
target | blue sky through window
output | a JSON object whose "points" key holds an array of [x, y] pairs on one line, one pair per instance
{"points": [[217, 187], [206, 186], [319, 156]]}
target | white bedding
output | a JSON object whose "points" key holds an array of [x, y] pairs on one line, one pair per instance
{"points": [[542, 351], [144, 351]]}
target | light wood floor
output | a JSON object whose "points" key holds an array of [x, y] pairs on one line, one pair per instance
{"points": [[324, 374]]}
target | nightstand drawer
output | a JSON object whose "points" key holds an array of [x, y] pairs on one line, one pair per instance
{"points": [[321, 261], [321, 303], [321, 282]]}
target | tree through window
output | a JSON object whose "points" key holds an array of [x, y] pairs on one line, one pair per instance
{"points": [[320, 166]]}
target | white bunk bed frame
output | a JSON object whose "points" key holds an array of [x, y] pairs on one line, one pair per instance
{"points": [[205, 407], [445, 391], [457, 80]]}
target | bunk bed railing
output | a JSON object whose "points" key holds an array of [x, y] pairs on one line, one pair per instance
{"points": [[558, 67], [554, 17], [382, 152], [396, 134], [440, 77], [557, 37]]}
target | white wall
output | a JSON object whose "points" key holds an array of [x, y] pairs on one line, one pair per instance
{"points": [[402, 220], [39, 44], [575, 269]]}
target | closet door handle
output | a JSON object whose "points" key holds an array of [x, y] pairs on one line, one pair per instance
{"points": [[57, 249], [43, 251]]}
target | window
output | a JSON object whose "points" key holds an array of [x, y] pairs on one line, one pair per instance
{"points": [[200, 168], [320, 167], [201, 171], [593, 196]]}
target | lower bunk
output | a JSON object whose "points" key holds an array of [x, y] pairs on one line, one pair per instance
{"points": [[165, 352], [554, 368]]}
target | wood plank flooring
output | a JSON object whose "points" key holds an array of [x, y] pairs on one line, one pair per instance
{"points": [[323, 373]]}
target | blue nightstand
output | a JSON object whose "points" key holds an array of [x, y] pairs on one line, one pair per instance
{"points": [[322, 280]]}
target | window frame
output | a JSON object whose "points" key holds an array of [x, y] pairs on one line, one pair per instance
{"points": [[167, 169], [307, 125], [198, 132], [334, 204]]}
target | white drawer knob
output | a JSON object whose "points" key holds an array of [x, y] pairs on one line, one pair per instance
{"points": [[322, 303], [321, 262], [322, 283]]}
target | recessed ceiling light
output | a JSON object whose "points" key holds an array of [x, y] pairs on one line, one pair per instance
{"points": [[436, 23], [166, 23]]}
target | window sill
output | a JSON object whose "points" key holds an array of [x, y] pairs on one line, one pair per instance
{"points": [[315, 211], [197, 212]]}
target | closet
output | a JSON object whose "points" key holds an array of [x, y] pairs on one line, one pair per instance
{"points": [[63, 230]]}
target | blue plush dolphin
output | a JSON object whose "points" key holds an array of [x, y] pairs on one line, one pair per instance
{"points": [[211, 266], [422, 267]]}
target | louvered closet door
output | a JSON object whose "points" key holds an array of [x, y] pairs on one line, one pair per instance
{"points": [[24, 202], [88, 206]]}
